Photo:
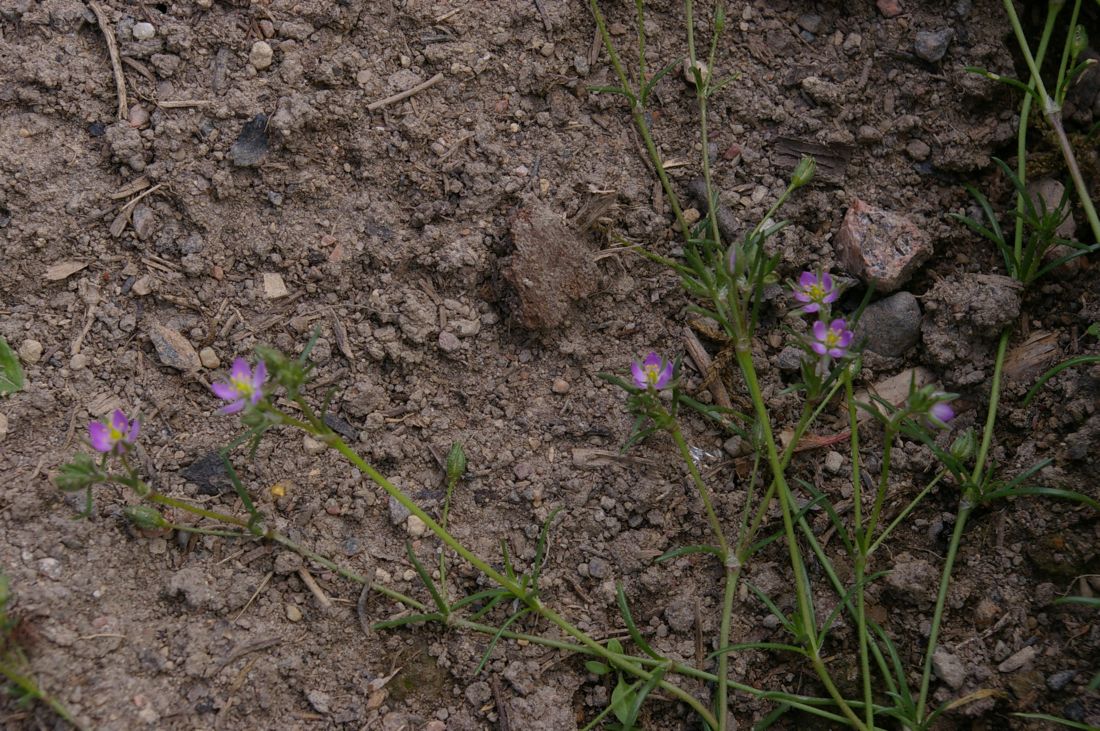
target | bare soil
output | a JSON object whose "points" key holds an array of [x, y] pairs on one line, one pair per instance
{"points": [[460, 252]]}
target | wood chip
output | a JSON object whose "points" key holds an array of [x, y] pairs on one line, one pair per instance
{"points": [[1031, 357], [893, 390], [64, 270], [341, 334]]}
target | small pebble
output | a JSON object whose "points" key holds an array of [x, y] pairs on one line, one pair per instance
{"points": [[931, 45], [293, 613], [78, 361], [834, 462], [3, 427], [1018, 660], [209, 358], [144, 31], [143, 286], [312, 446], [415, 527], [261, 55], [889, 8], [51, 567], [810, 22], [560, 386], [598, 568], [144, 221], [918, 150], [139, 116], [30, 351], [274, 286], [449, 342]]}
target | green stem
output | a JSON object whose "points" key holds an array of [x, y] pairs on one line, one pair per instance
{"points": [[1053, 114], [31, 689], [941, 599], [701, 488], [883, 482], [316, 427], [972, 491], [861, 553], [162, 499], [637, 114], [786, 500]]}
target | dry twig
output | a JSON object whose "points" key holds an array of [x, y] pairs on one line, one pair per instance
{"points": [[405, 94], [116, 61]]}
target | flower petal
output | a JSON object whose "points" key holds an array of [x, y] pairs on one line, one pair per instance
{"points": [[99, 436], [259, 377], [800, 295], [838, 325], [845, 338], [807, 279], [837, 352], [232, 408], [819, 348], [664, 376], [826, 282], [652, 360], [831, 296], [820, 330], [811, 308], [224, 391], [135, 426], [638, 374], [942, 412], [240, 370], [119, 421]]}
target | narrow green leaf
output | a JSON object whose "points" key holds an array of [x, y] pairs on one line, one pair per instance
{"points": [[11, 373], [440, 604], [686, 550], [624, 610]]}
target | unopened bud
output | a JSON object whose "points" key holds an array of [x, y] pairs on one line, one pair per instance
{"points": [[456, 463], [145, 517], [965, 446], [804, 173], [1078, 40]]}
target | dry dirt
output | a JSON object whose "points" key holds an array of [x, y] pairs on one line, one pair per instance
{"points": [[453, 249]]}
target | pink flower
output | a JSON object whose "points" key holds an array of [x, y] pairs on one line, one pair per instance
{"points": [[653, 372], [832, 339], [816, 291], [245, 386], [115, 435], [941, 413]]}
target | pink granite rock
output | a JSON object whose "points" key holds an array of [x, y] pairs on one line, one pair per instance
{"points": [[889, 8], [881, 247]]}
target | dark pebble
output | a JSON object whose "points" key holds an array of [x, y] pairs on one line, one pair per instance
{"points": [[891, 326], [931, 45], [251, 145], [209, 473], [1060, 679]]}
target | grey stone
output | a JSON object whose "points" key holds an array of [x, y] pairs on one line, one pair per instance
{"points": [[1018, 659], [891, 325], [144, 220], [790, 358], [598, 568], [144, 31], [1060, 679], [948, 668], [931, 45], [449, 342], [174, 350], [398, 512], [810, 22]]}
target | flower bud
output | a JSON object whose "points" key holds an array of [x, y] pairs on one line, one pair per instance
{"points": [[804, 173], [145, 517], [1078, 41], [456, 463], [82, 472], [965, 446]]}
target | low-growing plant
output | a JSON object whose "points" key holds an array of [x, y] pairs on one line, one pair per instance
{"points": [[726, 281]]}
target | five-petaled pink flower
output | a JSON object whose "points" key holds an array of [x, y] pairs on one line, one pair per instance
{"points": [[115, 435], [815, 291], [653, 372], [832, 339], [245, 386]]}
